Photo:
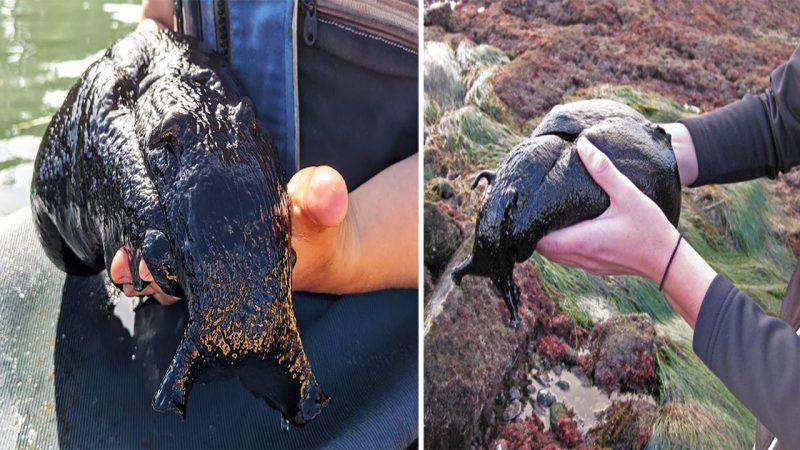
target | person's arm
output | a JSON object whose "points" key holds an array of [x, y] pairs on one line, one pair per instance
{"points": [[754, 137], [756, 356], [373, 246]]}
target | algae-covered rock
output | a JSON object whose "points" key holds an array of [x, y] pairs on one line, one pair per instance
{"points": [[469, 352], [472, 132], [442, 75], [655, 107], [623, 354], [481, 94], [474, 58], [564, 426], [626, 425]]}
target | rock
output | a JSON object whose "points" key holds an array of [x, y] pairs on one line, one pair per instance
{"points": [[545, 398], [563, 385], [445, 189], [475, 58], [563, 425], [549, 40], [627, 424], [469, 350], [482, 140], [481, 94], [623, 354], [562, 325], [551, 348], [428, 282], [442, 76], [557, 411], [442, 236], [500, 444], [527, 434], [514, 393], [566, 431], [512, 411], [438, 14]]}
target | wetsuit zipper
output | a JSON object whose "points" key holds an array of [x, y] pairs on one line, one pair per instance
{"points": [[394, 21]]}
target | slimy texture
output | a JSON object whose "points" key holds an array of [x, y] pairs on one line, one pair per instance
{"points": [[543, 186], [156, 149]]}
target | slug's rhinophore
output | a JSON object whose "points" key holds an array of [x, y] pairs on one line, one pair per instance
{"points": [[156, 149], [543, 186]]}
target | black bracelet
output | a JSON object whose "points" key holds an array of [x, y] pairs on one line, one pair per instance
{"points": [[666, 270]]}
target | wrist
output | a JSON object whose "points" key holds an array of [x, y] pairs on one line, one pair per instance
{"points": [[687, 282], [660, 250], [685, 153]]}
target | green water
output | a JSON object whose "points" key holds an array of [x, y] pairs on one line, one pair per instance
{"points": [[44, 46]]}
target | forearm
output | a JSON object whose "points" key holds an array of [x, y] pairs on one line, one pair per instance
{"points": [[685, 153], [385, 212], [753, 137]]}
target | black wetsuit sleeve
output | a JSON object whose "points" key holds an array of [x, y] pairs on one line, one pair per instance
{"points": [[756, 136], [756, 356]]}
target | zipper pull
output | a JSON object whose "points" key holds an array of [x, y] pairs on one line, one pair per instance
{"points": [[310, 22]]}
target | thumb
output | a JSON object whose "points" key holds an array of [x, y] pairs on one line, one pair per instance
{"points": [[603, 171], [319, 196]]}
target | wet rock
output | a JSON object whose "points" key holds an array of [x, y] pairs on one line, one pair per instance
{"points": [[512, 411], [626, 424], [514, 393], [438, 14], [442, 236], [545, 398], [563, 385], [469, 351], [623, 354], [442, 76]]}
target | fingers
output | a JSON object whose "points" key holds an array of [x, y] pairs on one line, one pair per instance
{"points": [[562, 243], [319, 196], [120, 267], [121, 274], [603, 171]]}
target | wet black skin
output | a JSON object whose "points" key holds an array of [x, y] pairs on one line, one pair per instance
{"points": [[156, 149], [543, 186]]}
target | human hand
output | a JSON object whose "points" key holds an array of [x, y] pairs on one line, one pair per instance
{"points": [[632, 237], [121, 274], [323, 231]]}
